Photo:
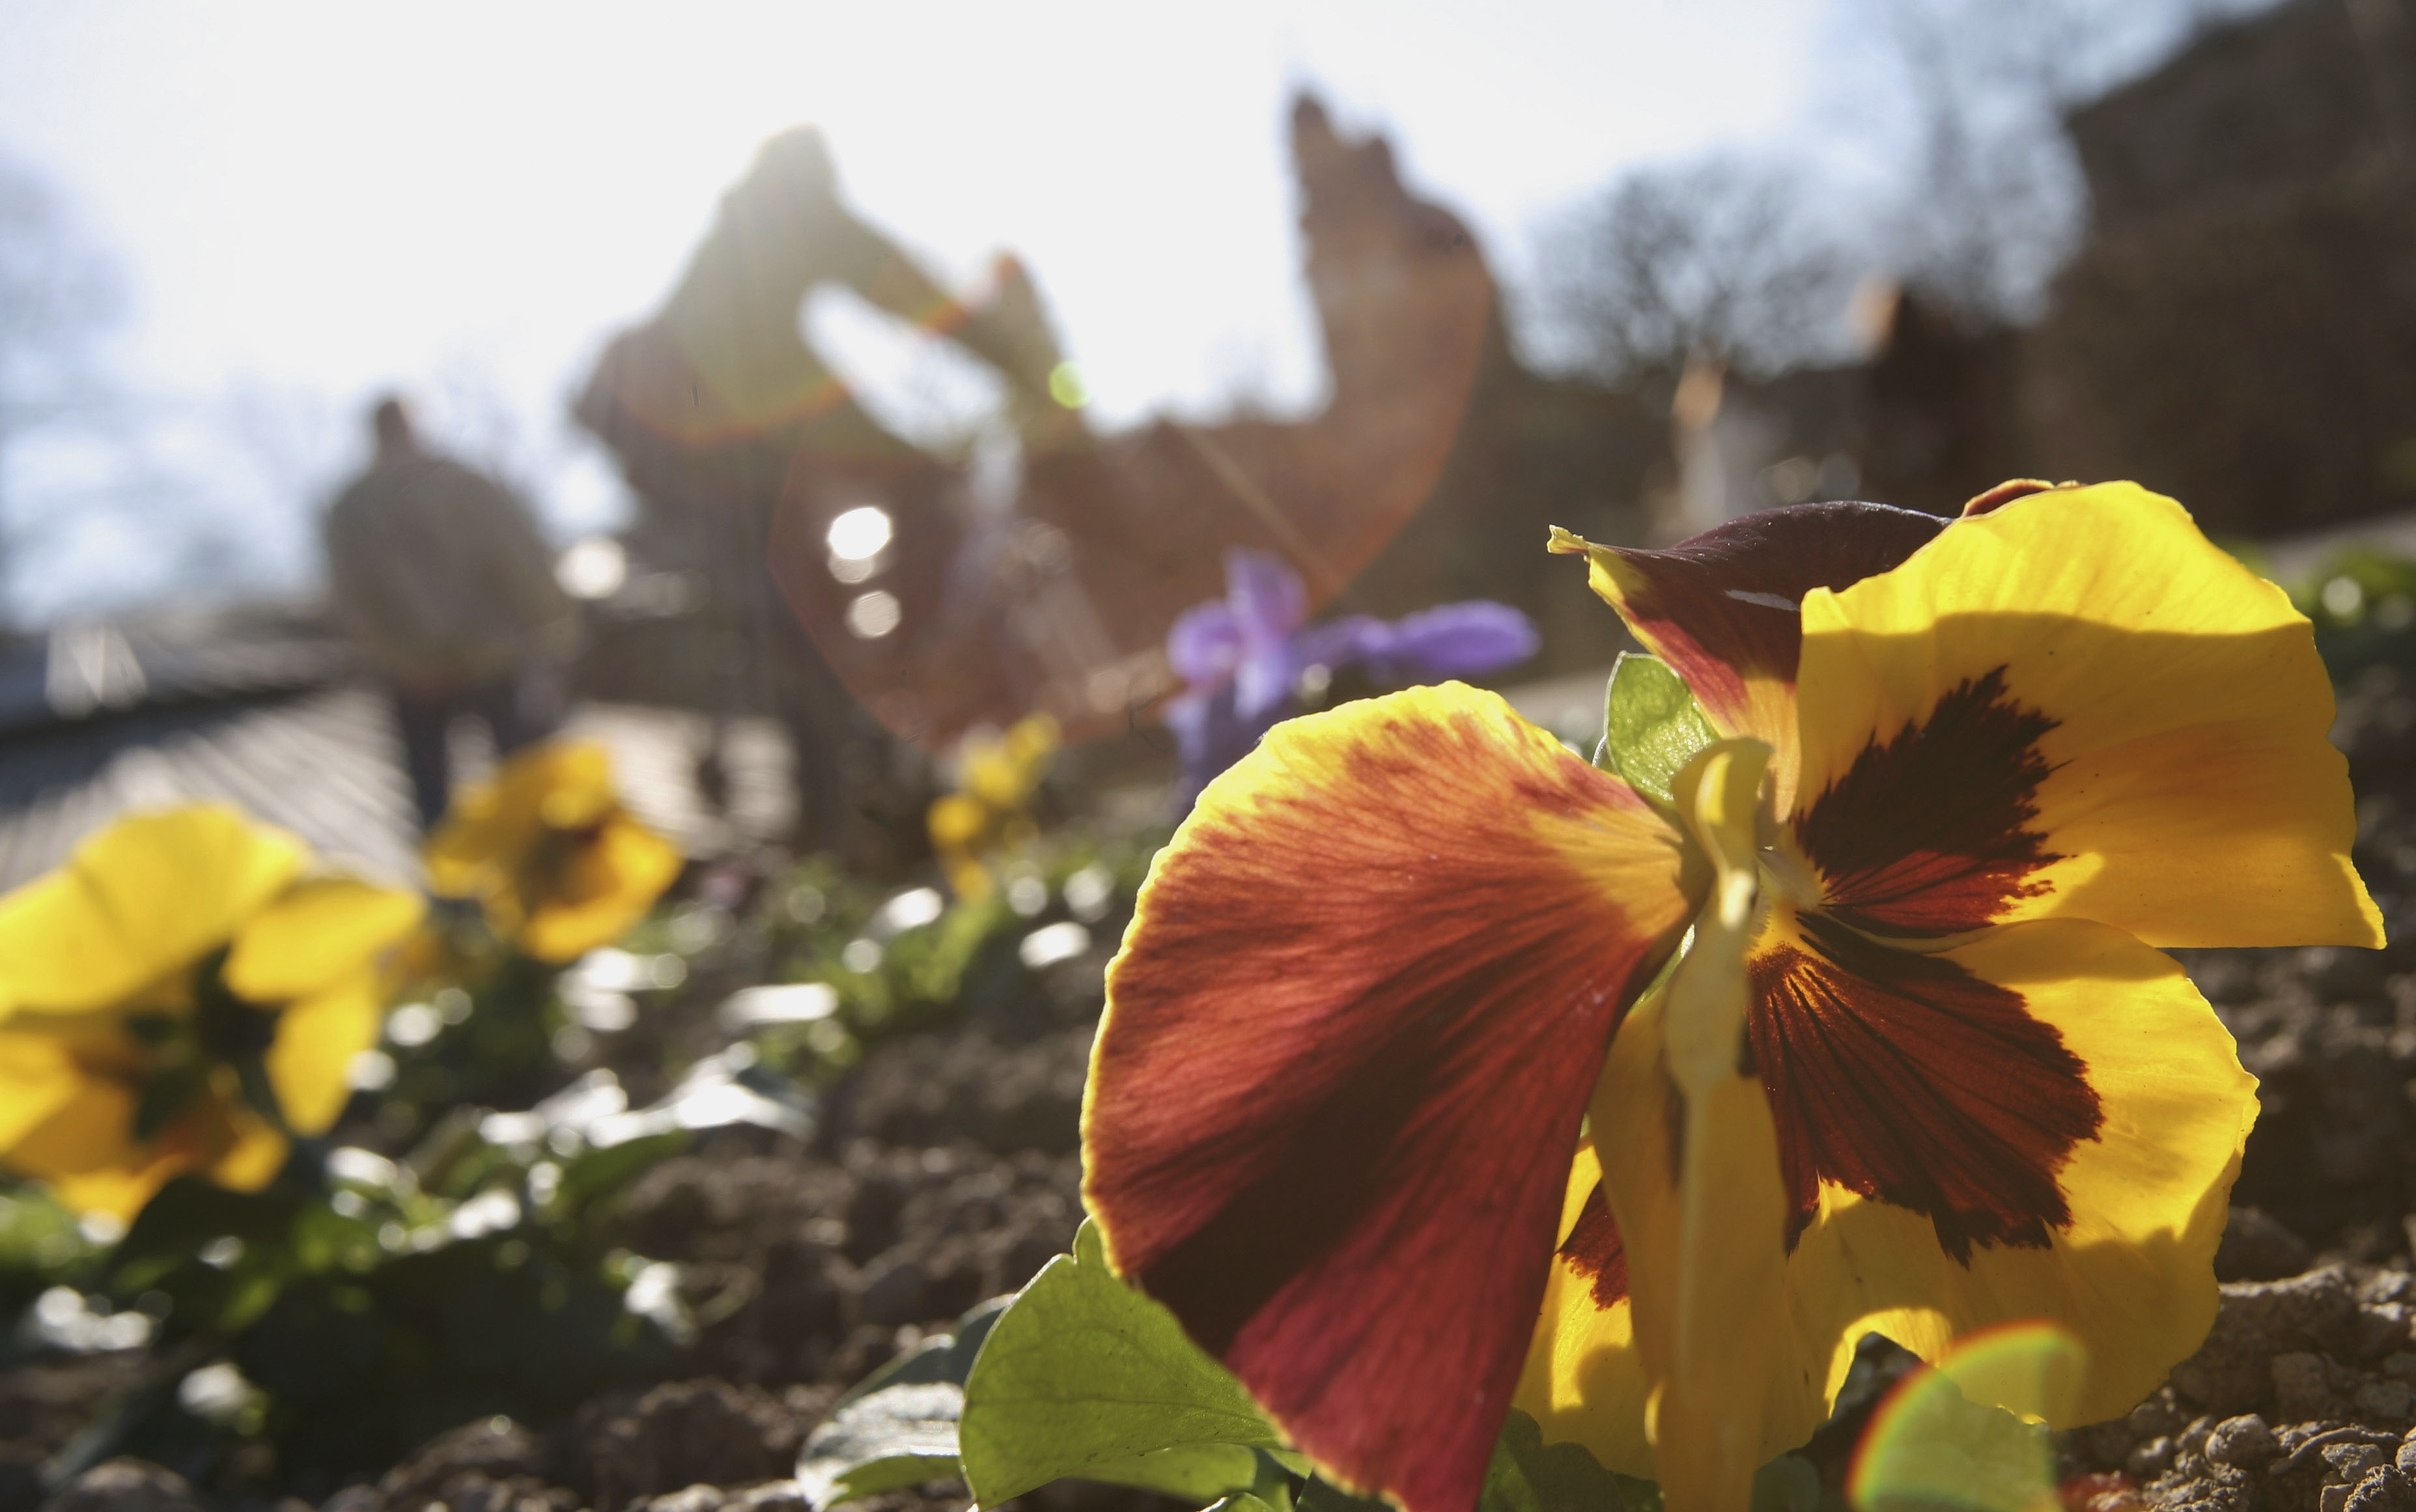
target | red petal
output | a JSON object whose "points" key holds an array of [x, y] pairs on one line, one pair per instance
{"points": [[1348, 1047], [1722, 608]]}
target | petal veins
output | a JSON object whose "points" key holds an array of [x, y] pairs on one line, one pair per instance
{"points": [[1904, 1078], [1349, 1044]]}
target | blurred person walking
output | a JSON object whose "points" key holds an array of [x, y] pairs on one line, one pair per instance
{"points": [[440, 573]]}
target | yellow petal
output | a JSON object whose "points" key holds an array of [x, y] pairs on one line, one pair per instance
{"points": [[1584, 1380], [2132, 1273], [317, 932], [560, 784], [90, 1130], [254, 1153], [547, 848], [119, 1191], [37, 1077], [1034, 738], [956, 821], [146, 897], [2075, 706], [311, 1061], [608, 886], [86, 1150]]}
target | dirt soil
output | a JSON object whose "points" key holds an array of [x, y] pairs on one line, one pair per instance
{"points": [[945, 1170]]}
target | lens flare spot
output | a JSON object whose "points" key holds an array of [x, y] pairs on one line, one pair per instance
{"points": [[593, 568], [1066, 387], [1972, 1433], [872, 615], [859, 534]]}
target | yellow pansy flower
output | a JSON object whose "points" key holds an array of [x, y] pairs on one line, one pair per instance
{"points": [[547, 850], [182, 996], [1387, 1108], [989, 811]]}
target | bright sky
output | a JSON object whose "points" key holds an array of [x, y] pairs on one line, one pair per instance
{"points": [[312, 201]]}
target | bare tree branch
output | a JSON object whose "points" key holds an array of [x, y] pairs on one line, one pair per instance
{"points": [[58, 295], [1721, 257]]}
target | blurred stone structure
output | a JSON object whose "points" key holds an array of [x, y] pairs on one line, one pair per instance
{"points": [[1439, 460], [2241, 329], [1929, 418], [1430, 472], [742, 445], [2276, 100], [1527, 451]]}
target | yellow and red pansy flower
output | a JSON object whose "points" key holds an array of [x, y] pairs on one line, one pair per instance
{"points": [[557, 864], [1387, 1108], [185, 994]]}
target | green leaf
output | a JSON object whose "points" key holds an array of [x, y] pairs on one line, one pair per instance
{"points": [[1529, 1475], [595, 1175], [1323, 1495], [1194, 1472], [1788, 1484], [1651, 725], [947, 1357], [1238, 1501], [1083, 1376], [901, 1436], [1928, 1444], [251, 1073], [1640, 1495]]}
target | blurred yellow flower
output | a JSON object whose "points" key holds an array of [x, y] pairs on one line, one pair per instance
{"points": [[435, 957], [546, 848], [986, 813], [182, 996]]}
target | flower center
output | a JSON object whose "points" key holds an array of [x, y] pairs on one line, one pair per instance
{"points": [[1786, 875]]}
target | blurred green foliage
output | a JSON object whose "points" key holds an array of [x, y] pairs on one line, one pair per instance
{"points": [[40, 1248], [368, 1304], [2363, 601], [899, 961]]}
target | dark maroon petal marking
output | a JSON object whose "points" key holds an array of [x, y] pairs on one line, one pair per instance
{"points": [[1904, 1078], [1594, 1250], [1927, 834], [1349, 1048], [1728, 601]]}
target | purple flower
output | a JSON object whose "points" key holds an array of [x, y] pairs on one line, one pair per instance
{"points": [[1242, 655]]}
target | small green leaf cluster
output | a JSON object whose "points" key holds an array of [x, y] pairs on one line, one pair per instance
{"points": [[1076, 1376], [366, 1305], [493, 1034], [899, 962], [1080, 1376]]}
